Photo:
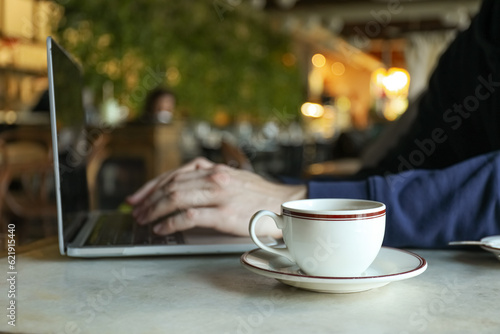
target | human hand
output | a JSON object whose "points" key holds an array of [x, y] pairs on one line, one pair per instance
{"points": [[204, 194]]}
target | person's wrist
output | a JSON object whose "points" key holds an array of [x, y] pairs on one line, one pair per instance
{"points": [[297, 192]]}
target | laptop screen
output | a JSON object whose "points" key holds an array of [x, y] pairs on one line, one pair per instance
{"points": [[71, 142]]}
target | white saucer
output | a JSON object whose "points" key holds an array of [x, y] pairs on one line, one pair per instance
{"points": [[390, 265], [492, 244]]}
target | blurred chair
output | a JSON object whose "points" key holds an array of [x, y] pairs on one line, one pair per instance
{"points": [[25, 169], [120, 162], [96, 159]]}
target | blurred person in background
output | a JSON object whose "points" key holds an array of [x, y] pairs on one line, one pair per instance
{"points": [[159, 107]]}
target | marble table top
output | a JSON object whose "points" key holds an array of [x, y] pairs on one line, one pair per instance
{"points": [[458, 293]]}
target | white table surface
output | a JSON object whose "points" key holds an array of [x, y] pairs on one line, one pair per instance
{"points": [[459, 293]]}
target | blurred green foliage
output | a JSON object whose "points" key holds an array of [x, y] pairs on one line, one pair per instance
{"points": [[217, 55]]}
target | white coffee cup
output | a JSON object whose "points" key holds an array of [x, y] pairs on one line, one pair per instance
{"points": [[328, 237]]}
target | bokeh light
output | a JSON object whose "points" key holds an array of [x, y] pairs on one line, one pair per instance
{"points": [[313, 110], [338, 68], [318, 60]]}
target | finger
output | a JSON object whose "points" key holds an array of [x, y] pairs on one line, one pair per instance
{"points": [[203, 190], [215, 218], [150, 187], [202, 162], [199, 179], [143, 192], [180, 177], [202, 187], [194, 217], [197, 182], [197, 163], [179, 201]]}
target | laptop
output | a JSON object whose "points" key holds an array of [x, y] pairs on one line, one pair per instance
{"points": [[86, 233]]}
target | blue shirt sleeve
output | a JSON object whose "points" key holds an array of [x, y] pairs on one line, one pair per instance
{"points": [[429, 208]]}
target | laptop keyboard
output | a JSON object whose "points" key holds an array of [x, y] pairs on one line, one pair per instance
{"points": [[123, 230]]}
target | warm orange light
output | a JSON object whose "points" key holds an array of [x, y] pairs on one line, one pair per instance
{"points": [[338, 68], [313, 110], [395, 107], [343, 103], [396, 81], [318, 60], [392, 87], [378, 77]]}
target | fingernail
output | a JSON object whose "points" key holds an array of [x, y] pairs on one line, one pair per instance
{"points": [[157, 228]]}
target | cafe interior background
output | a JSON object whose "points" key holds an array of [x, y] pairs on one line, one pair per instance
{"points": [[287, 88]]}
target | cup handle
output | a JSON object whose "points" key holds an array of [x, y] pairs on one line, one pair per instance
{"points": [[279, 223]]}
